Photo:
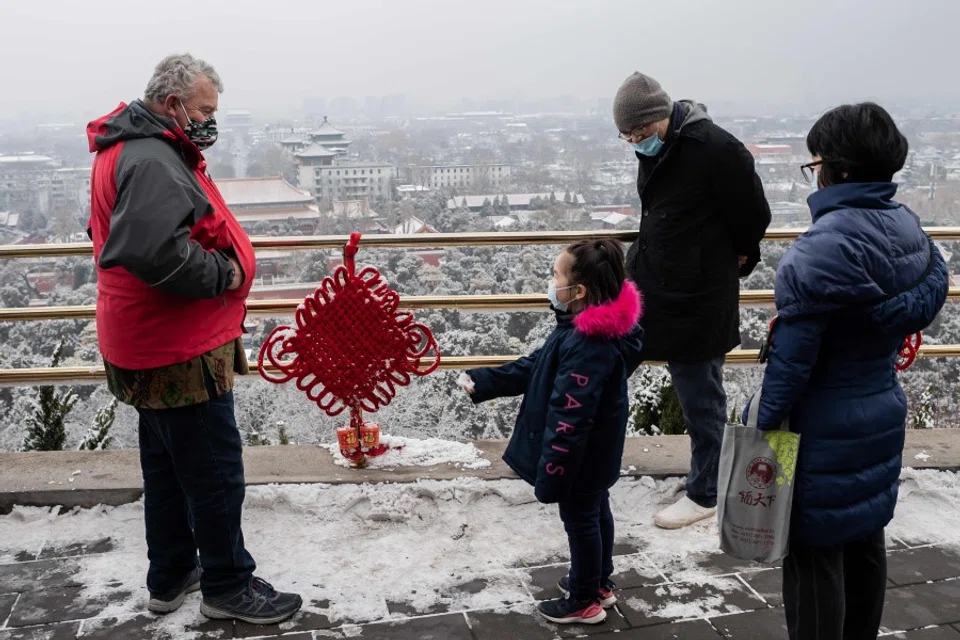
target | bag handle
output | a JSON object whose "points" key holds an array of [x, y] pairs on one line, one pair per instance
{"points": [[753, 410]]}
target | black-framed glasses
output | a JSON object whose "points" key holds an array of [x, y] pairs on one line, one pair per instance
{"points": [[808, 170], [628, 137]]}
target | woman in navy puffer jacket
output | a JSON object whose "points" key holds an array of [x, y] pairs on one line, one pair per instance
{"points": [[863, 277]]}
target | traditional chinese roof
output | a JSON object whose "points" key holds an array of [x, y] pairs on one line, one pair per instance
{"points": [[261, 192], [316, 151], [326, 130]]}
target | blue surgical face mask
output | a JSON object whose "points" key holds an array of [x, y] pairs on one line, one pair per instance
{"points": [[650, 146], [552, 295]]}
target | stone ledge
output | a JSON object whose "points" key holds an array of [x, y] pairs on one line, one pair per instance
{"points": [[113, 477]]}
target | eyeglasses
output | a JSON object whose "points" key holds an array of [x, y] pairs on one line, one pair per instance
{"points": [[628, 137], [808, 170]]}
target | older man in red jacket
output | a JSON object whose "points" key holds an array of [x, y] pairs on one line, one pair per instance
{"points": [[174, 271]]}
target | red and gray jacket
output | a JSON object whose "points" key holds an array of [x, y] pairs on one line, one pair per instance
{"points": [[162, 238]]}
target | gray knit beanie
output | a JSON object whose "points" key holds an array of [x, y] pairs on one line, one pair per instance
{"points": [[640, 101]]}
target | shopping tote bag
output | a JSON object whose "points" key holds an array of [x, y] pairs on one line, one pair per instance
{"points": [[755, 492]]}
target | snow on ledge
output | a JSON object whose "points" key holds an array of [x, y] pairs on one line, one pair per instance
{"points": [[419, 453]]}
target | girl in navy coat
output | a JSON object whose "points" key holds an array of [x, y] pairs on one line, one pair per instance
{"points": [[862, 277], [568, 440]]}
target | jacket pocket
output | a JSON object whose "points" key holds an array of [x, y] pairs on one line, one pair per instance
{"points": [[682, 269]]}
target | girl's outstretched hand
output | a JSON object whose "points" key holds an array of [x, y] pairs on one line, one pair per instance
{"points": [[465, 382]]}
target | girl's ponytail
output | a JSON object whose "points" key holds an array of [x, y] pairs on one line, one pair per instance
{"points": [[599, 266]]}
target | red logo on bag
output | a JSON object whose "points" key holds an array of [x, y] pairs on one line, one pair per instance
{"points": [[761, 473]]}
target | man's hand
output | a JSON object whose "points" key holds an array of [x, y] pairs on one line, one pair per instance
{"points": [[238, 276], [742, 260]]}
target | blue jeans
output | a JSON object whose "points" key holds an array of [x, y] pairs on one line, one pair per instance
{"points": [[703, 401], [588, 522], [193, 485]]}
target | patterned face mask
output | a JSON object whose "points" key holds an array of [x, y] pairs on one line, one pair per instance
{"points": [[203, 134]]}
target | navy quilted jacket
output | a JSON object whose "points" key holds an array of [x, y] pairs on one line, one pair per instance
{"points": [[572, 422], [863, 277]]}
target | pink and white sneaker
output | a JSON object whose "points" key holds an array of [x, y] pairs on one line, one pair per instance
{"points": [[567, 611]]}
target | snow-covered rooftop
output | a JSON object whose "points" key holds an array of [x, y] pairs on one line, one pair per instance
{"points": [[515, 199], [261, 191]]}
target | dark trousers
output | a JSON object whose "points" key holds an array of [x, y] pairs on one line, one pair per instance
{"points": [[836, 593], [588, 522], [193, 484], [703, 401]]}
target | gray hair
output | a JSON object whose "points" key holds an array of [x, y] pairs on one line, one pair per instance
{"points": [[177, 74]]}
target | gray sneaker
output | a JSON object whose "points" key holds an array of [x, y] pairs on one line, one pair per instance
{"points": [[170, 601], [257, 603]]}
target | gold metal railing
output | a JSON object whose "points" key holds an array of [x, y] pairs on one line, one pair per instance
{"points": [[417, 241], [286, 307], [93, 375], [80, 375]]}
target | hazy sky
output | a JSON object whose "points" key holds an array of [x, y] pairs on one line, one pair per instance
{"points": [[73, 56]]}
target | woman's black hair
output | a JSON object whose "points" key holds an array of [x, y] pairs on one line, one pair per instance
{"points": [[599, 266], [859, 140]]}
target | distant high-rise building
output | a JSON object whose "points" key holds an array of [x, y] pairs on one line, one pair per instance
{"points": [[343, 107], [394, 105], [314, 107]]}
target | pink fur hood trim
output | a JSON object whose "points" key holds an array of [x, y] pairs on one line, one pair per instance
{"points": [[613, 319]]}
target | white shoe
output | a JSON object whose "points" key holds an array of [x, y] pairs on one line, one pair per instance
{"points": [[682, 514]]}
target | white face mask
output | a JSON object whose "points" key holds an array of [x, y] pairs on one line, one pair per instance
{"points": [[554, 300]]}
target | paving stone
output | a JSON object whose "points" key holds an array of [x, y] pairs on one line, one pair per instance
{"points": [[149, 627], [635, 571], [695, 630], [524, 622], [769, 584], [58, 605], [516, 623], [648, 606], [628, 547], [66, 631], [683, 568], [913, 543], [443, 605], [6, 606], [543, 581], [39, 575], [614, 623], [447, 627], [103, 545], [766, 623], [303, 621], [922, 605], [916, 566], [938, 633], [895, 544]]}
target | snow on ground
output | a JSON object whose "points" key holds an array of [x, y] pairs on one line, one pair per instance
{"points": [[359, 546], [413, 452]]}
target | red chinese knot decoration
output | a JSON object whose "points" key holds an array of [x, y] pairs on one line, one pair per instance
{"points": [[908, 351], [350, 349]]}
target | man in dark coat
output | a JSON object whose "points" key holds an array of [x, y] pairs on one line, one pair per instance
{"points": [[703, 217]]}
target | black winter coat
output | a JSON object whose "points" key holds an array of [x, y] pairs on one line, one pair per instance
{"points": [[702, 207], [570, 430]]}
